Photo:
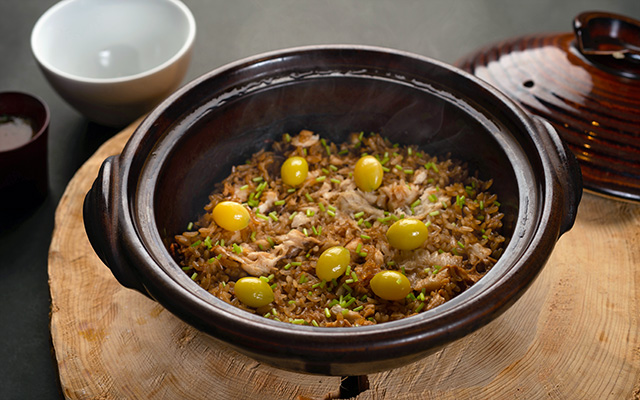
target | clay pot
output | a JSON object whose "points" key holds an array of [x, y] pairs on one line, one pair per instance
{"points": [[161, 181]]}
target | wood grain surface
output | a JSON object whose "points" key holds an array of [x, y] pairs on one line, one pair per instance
{"points": [[575, 334]]}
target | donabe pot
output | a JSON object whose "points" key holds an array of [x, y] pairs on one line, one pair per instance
{"points": [[162, 179]]}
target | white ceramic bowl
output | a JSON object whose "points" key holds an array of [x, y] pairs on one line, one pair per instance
{"points": [[114, 60]]}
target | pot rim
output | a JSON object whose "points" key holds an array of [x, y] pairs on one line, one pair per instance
{"points": [[511, 274]]}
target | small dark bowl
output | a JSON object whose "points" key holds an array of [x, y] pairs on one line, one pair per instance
{"points": [[163, 176], [24, 174]]}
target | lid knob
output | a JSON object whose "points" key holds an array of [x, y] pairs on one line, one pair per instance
{"points": [[609, 41]]}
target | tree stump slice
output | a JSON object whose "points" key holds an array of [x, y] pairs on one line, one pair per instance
{"points": [[573, 335]]}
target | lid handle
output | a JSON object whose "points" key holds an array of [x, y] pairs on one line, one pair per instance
{"points": [[611, 41]]}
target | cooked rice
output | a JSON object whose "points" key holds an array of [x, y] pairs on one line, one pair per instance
{"points": [[289, 229]]}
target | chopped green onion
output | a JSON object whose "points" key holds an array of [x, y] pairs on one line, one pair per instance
{"points": [[336, 181], [190, 226], [358, 214], [331, 213], [287, 137], [296, 263], [258, 179], [298, 321], [245, 187], [469, 190], [278, 202], [314, 323], [321, 207], [309, 198], [419, 307], [310, 212], [365, 237], [321, 178], [319, 284], [293, 214], [333, 167], [327, 313], [194, 276], [274, 216], [270, 240], [286, 267], [237, 249], [434, 213]]}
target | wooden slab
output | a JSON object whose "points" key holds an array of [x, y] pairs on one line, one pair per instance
{"points": [[575, 334]]}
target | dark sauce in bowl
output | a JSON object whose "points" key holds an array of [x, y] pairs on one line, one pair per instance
{"points": [[15, 131]]}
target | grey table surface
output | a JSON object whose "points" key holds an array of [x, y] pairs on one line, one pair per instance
{"points": [[227, 31]]}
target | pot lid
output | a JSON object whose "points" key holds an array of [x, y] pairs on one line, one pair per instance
{"points": [[587, 84]]}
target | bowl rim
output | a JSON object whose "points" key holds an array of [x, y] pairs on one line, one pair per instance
{"points": [[184, 49]]}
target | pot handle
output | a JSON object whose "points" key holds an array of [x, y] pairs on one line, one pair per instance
{"points": [[100, 214], [567, 173]]}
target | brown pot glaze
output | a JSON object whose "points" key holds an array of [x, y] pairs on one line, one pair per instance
{"points": [[587, 84], [165, 173]]}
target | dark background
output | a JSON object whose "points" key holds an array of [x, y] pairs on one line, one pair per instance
{"points": [[227, 30]]}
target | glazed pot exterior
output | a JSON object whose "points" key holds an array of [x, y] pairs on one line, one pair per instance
{"points": [[161, 181]]}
